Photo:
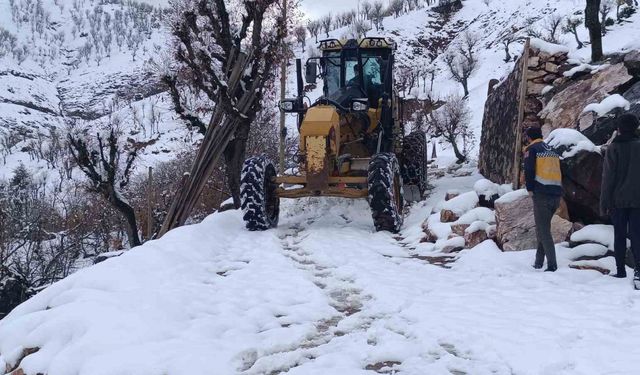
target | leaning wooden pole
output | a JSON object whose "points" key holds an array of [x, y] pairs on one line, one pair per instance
{"points": [[283, 88], [220, 132], [522, 99]]}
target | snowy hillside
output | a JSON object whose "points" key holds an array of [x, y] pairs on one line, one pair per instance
{"points": [[70, 64]]}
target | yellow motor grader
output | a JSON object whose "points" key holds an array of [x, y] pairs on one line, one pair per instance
{"points": [[352, 140]]}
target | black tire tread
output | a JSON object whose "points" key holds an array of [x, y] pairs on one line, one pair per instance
{"points": [[414, 160], [383, 167], [253, 191]]}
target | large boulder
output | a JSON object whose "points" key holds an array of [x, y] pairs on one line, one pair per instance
{"points": [[581, 179], [564, 110], [581, 165], [632, 63], [602, 128], [515, 229]]}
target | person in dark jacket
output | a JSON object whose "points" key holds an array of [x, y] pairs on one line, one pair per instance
{"points": [[620, 193], [544, 184]]}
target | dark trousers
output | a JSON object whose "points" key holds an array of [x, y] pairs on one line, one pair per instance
{"points": [[544, 207], [626, 223]]}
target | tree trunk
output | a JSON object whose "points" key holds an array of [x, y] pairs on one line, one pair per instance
{"points": [[592, 22], [575, 34], [461, 158], [130, 216], [234, 155], [465, 86], [507, 56]]}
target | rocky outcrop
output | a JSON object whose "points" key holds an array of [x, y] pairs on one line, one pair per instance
{"points": [[581, 179], [103, 88], [516, 227], [601, 129], [632, 63], [564, 110]]}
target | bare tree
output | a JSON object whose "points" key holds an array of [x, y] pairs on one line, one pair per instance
{"points": [[605, 8], [300, 33], [377, 14], [326, 23], [451, 122], [360, 28], [396, 7], [592, 22], [314, 28], [365, 9], [552, 26], [571, 26], [108, 175], [462, 62], [507, 40]]}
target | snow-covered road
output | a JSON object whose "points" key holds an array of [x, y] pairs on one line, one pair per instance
{"points": [[325, 294]]}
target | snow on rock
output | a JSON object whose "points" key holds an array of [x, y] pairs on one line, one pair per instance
{"points": [[450, 245], [512, 196], [590, 250], [477, 214], [571, 139], [608, 104], [584, 68], [438, 228], [486, 187], [598, 233], [462, 203], [478, 226], [550, 48]]}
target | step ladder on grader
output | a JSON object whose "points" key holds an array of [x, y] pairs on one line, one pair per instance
{"points": [[352, 140]]}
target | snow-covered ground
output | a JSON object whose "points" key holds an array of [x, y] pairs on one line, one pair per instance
{"points": [[325, 294]]}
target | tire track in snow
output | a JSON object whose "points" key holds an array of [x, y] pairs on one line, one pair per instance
{"points": [[346, 298]]}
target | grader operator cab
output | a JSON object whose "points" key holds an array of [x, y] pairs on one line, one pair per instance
{"points": [[352, 140]]}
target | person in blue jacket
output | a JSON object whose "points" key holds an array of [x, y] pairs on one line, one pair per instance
{"points": [[544, 184]]}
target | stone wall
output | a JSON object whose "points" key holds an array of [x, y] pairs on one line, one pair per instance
{"points": [[498, 140], [499, 125]]}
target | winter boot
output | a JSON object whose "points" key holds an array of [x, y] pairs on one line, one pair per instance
{"points": [[636, 278], [621, 272], [620, 268]]}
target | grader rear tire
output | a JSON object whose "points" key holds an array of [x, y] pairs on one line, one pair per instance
{"points": [[385, 192], [414, 166], [259, 202]]}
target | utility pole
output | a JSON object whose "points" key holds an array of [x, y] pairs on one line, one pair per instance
{"points": [[283, 87], [150, 205]]}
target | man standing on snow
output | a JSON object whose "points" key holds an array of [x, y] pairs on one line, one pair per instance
{"points": [[544, 184], [620, 193]]}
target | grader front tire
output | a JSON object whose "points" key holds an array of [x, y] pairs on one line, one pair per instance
{"points": [[385, 192], [414, 166], [259, 202]]}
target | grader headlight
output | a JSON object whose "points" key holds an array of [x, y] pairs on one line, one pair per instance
{"points": [[360, 105]]}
